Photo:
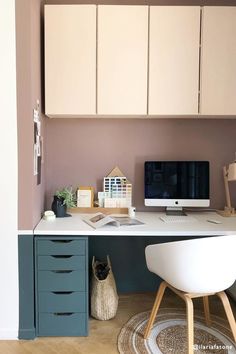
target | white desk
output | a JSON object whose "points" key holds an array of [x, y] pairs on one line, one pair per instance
{"points": [[153, 226], [126, 244]]}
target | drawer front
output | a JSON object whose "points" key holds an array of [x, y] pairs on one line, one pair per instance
{"points": [[62, 302], [61, 262], [61, 280], [62, 324], [61, 247]]}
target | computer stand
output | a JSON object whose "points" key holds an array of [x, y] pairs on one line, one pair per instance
{"points": [[175, 211]]}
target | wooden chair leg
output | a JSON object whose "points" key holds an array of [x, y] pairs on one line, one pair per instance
{"points": [[155, 308], [189, 308], [207, 310], [229, 313]]}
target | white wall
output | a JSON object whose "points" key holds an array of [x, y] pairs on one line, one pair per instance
{"points": [[9, 308]]}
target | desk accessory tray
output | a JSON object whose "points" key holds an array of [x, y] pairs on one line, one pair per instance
{"points": [[94, 210]]}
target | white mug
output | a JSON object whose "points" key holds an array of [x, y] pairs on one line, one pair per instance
{"points": [[132, 212]]}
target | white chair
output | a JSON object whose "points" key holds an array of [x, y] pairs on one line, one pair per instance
{"points": [[194, 268]]}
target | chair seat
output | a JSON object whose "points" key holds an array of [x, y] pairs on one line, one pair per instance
{"points": [[204, 265], [194, 268]]}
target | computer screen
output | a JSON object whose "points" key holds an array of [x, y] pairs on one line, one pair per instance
{"points": [[177, 183]]}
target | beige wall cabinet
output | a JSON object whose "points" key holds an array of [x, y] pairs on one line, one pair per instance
{"points": [[174, 60], [122, 60], [218, 62], [70, 60]]}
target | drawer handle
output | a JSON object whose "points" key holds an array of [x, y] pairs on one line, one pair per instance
{"points": [[61, 256], [63, 313], [62, 271], [61, 241], [62, 292]]}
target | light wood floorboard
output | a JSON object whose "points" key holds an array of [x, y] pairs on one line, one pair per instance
{"points": [[103, 334]]}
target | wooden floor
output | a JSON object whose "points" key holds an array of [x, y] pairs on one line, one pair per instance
{"points": [[103, 334]]}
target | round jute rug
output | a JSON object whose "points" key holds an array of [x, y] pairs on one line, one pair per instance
{"points": [[169, 335]]}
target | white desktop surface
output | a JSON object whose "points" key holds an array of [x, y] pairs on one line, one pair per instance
{"points": [[153, 226]]}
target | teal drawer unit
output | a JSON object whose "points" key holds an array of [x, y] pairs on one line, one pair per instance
{"points": [[61, 301], [61, 262], [61, 283], [61, 280], [61, 247], [62, 324]]}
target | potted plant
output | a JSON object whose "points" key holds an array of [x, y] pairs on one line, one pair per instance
{"points": [[63, 199]]}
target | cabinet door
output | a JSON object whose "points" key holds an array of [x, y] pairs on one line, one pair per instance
{"points": [[70, 60], [122, 59], [174, 60], [218, 66]]}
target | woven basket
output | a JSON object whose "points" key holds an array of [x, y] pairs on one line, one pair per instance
{"points": [[104, 298]]}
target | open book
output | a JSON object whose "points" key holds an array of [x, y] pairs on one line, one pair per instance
{"points": [[99, 220]]}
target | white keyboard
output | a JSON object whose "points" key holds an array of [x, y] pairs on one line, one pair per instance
{"points": [[177, 218]]}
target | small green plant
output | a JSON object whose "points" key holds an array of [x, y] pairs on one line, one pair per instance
{"points": [[68, 196]]}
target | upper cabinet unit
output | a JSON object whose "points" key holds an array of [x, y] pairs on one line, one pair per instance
{"points": [[146, 61], [122, 60], [174, 60], [70, 60], [218, 64]]}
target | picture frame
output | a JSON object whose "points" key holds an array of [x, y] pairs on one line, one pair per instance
{"points": [[85, 197]]}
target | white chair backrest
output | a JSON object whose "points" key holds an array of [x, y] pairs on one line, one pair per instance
{"points": [[201, 265]]}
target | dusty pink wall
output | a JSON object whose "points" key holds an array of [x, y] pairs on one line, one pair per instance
{"points": [[28, 61], [37, 92], [82, 152], [25, 123]]}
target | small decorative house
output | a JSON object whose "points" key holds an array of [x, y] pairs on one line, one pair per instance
{"points": [[117, 190]]}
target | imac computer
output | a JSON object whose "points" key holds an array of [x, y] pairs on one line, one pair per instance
{"points": [[176, 184]]}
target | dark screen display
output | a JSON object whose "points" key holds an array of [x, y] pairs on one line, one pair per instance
{"points": [[176, 179]]}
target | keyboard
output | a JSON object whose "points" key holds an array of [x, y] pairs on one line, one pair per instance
{"points": [[177, 218]]}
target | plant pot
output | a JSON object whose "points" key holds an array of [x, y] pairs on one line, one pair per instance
{"points": [[59, 208]]}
